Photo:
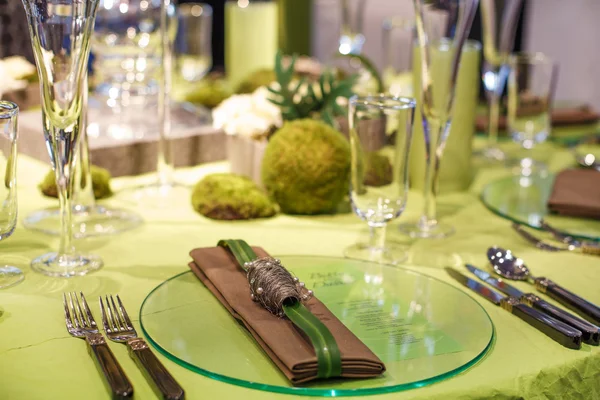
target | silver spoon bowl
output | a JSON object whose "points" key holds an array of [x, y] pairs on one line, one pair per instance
{"points": [[507, 265]]}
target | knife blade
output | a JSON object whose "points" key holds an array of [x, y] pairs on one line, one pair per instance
{"points": [[590, 333], [558, 331]]}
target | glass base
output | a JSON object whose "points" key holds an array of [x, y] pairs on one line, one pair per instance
{"points": [[390, 254], [527, 167], [10, 276], [432, 258], [155, 195], [427, 230], [87, 221], [491, 154], [51, 264]]}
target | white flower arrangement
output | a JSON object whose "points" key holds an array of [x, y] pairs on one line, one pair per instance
{"points": [[14, 71], [249, 115]]}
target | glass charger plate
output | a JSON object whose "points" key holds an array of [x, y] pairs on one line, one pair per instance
{"points": [[423, 329], [524, 200]]}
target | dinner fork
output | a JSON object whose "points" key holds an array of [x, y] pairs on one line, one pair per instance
{"points": [[572, 245], [118, 328], [81, 324]]}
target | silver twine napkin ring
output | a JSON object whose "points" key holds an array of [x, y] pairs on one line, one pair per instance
{"points": [[272, 285]]}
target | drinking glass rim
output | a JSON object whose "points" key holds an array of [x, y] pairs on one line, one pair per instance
{"points": [[8, 109], [185, 9], [536, 57], [376, 102]]}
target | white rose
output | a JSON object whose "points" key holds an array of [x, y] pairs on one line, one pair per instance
{"points": [[250, 115], [18, 67]]}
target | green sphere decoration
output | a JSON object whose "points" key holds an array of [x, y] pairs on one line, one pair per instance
{"points": [[231, 197], [306, 167]]}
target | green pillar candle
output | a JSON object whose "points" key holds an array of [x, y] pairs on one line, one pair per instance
{"points": [[250, 37], [456, 168], [295, 26]]}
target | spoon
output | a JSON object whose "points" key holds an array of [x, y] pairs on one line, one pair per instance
{"points": [[510, 267]]}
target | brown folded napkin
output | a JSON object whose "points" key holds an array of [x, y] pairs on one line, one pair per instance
{"points": [[576, 193], [560, 116], [289, 349]]}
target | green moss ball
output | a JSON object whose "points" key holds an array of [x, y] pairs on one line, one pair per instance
{"points": [[261, 77], [379, 170], [231, 197], [306, 167], [100, 183], [209, 94]]}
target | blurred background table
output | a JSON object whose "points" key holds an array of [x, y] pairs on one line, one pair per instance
{"points": [[47, 363]]}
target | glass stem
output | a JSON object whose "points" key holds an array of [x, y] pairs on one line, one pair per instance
{"points": [[377, 236], [63, 142], [165, 165], [83, 191], [493, 118], [434, 150]]}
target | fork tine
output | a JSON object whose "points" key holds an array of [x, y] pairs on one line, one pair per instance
{"points": [[74, 312], [128, 323], [87, 310], [111, 315], [105, 322], [68, 318], [117, 314], [85, 322]]}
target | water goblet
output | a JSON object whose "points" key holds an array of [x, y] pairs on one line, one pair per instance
{"points": [[499, 23], [352, 37], [9, 114], [531, 85], [379, 170], [441, 25], [60, 32], [397, 40], [193, 43]]}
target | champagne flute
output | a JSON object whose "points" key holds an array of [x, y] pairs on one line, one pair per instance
{"points": [[90, 219], [499, 23], [379, 170], [442, 28], [60, 33], [9, 113]]}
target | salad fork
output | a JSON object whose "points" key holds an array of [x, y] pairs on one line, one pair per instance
{"points": [[118, 328], [81, 324]]}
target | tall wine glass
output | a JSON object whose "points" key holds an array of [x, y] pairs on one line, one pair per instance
{"points": [[60, 33], [379, 169], [441, 25], [352, 37], [499, 23], [9, 113]]}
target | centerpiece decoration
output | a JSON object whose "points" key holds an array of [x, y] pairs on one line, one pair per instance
{"points": [[18, 82], [100, 183], [231, 197]]}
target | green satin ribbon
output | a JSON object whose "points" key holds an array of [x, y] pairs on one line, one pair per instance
{"points": [[329, 360]]}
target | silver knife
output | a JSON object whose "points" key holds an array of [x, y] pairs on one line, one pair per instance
{"points": [[590, 333], [558, 331]]}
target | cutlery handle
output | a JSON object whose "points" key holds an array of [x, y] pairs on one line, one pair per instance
{"points": [[553, 328], [589, 333], [115, 378], [592, 249], [163, 383], [587, 310]]}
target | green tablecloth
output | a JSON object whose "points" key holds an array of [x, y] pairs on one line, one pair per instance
{"points": [[39, 360]]}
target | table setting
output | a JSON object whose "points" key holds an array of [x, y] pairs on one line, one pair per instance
{"points": [[365, 230]]}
